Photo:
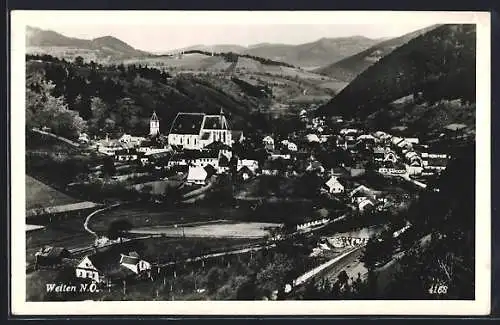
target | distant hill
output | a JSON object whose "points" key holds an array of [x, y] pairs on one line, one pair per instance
{"points": [[313, 54], [39, 41], [348, 68], [428, 82], [209, 48]]}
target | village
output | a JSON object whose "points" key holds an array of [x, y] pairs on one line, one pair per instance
{"points": [[356, 172]]}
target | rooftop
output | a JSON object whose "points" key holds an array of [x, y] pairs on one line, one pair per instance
{"points": [[187, 123]]}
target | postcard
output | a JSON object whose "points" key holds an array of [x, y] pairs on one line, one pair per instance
{"points": [[250, 163]]}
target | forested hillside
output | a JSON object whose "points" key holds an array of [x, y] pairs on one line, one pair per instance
{"points": [[438, 65], [118, 98], [348, 68]]}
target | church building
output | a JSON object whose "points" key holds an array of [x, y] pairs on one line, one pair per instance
{"points": [[195, 131]]}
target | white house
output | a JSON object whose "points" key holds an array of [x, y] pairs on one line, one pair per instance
{"points": [[334, 186], [197, 175], [268, 142], [131, 140], [292, 146], [87, 270], [312, 138], [390, 156], [197, 130], [412, 140]]}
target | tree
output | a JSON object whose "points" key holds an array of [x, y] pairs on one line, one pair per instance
{"points": [[119, 228], [45, 110], [79, 61]]}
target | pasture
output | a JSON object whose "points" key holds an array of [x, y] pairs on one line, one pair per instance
{"points": [[40, 195]]}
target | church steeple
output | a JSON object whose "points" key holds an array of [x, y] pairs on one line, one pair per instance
{"points": [[154, 125]]}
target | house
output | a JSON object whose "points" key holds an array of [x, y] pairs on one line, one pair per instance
{"points": [[50, 256], [366, 138], [412, 140], [279, 155], [437, 162], [379, 153], [126, 155], [109, 147], [244, 173], [132, 262], [194, 158], [131, 140], [197, 175], [194, 131], [252, 165], [365, 205], [292, 147], [89, 268], [315, 166], [312, 138], [83, 138], [237, 136], [390, 156], [334, 186], [268, 143], [361, 193], [345, 132]]}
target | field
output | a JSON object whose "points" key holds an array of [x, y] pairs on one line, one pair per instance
{"points": [[40, 195], [213, 230]]}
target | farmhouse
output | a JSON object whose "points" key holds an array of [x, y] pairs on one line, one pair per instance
{"points": [[196, 130]]}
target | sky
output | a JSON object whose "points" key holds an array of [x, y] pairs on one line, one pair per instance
{"points": [[160, 38], [158, 31]]}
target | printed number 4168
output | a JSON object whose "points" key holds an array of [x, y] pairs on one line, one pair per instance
{"points": [[439, 289]]}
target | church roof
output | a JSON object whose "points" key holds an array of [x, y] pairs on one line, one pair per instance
{"points": [[154, 117], [215, 122], [187, 123]]}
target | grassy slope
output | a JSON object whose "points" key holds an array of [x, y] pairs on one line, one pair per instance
{"points": [[40, 195]]}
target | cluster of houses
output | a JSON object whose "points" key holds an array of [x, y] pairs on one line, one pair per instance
{"points": [[393, 155]]}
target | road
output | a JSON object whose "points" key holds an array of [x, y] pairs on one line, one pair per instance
{"points": [[333, 266]]}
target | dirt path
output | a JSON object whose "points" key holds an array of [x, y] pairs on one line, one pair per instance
{"points": [[86, 223], [55, 136]]}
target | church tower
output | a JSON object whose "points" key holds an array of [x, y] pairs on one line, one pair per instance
{"points": [[154, 125]]}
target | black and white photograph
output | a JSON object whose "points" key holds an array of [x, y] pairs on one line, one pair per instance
{"points": [[297, 162]]}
